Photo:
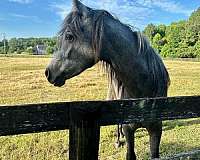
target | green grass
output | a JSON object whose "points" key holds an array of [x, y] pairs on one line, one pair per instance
{"points": [[22, 80]]}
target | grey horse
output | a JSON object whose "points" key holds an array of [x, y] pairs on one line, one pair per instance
{"points": [[135, 69]]}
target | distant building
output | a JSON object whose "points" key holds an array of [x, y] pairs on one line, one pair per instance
{"points": [[40, 50]]}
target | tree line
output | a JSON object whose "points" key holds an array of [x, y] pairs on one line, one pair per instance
{"points": [[27, 45], [179, 39]]}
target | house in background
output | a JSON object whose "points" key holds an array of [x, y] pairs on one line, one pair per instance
{"points": [[40, 50]]}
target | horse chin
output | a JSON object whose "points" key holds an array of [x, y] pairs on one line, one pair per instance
{"points": [[59, 82]]}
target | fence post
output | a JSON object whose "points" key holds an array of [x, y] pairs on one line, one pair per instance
{"points": [[84, 135]]}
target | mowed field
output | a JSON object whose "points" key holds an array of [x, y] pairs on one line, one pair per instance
{"points": [[22, 81]]}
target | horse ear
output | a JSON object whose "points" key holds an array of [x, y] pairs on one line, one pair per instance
{"points": [[79, 7], [75, 5]]}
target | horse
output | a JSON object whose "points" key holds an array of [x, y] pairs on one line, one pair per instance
{"points": [[135, 69]]}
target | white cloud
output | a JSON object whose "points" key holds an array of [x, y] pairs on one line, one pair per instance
{"points": [[19, 15], [170, 6], [61, 9], [21, 1], [128, 11], [123, 9], [173, 7]]}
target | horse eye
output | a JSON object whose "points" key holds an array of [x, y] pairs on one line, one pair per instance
{"points": [[69, 37]]}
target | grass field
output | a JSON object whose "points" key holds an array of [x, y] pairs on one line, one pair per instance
{"points": [[22, 80]]}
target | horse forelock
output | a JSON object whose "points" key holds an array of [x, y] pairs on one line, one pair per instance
{"points": [[73, 21]]}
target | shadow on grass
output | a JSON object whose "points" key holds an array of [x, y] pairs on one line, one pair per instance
{"points": [[169, 125], [179, 152]]}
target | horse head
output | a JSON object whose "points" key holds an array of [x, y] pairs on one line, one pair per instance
{"points": [[76, 51]]}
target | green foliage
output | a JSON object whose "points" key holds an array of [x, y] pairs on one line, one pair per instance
{"points": [[193, 27], [29, 50], [161, 29], [180, 39], [3, 49], [150, 31], [157, 42], [19, 45], [49, 50], [14, 45], [197, 49], [166, 51]]}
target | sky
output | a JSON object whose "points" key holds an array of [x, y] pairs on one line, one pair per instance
{"points": [[43, 18]]}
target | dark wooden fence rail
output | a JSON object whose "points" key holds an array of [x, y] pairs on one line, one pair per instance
{"points": [[85, 118]]}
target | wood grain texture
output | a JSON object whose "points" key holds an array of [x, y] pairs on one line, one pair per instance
{"points": [[84, 140], [32, 118]]}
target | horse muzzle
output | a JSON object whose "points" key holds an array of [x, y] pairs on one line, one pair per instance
{"points": [[58, 81]]}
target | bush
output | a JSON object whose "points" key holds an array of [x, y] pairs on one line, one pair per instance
{"points": [[49, 50], [1, 50], [29, 50], [186, 52], [168, 51], [197, 53], [197, 49]]}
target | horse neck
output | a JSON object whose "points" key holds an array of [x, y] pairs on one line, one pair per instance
{"points": [[119, 49], [118, 42]]}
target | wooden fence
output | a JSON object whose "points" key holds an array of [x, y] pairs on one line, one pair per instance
{"points": [[84, 119]]}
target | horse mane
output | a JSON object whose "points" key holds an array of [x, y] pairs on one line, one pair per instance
{"points": [[151, 57], [155, 65]]}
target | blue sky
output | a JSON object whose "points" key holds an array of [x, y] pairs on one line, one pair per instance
{"points": [[42, 18]]}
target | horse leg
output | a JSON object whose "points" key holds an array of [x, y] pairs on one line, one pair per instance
{"points": [[120, 134], [118, 142], [111, 95], [129, 135], [121, 130], [155, 133]]}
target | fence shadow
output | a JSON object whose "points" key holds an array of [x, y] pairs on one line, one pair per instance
{"points": [[169, 125], [184, 153]]}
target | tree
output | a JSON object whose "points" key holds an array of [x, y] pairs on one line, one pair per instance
{"points": [[184, 51], [150, 31], [156, 42], [197, 49], [168, 51], [1, 50], [12, 45], [193, 27], [4, 46], [18, 45], [29, 50], [161, 29], [49, 50], [179, 39]]}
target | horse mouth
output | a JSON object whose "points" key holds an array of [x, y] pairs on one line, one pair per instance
{"points": [[59, 81]]}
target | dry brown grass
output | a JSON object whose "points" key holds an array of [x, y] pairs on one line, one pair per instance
{"points": [[22, 80]]}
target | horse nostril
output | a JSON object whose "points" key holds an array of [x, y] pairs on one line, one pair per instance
{"points": [[47, 73]]}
